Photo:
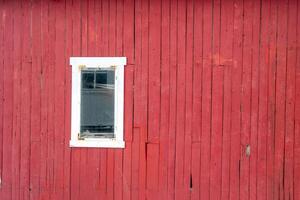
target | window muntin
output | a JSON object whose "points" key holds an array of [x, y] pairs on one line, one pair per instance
{"points": [[97, 102]]}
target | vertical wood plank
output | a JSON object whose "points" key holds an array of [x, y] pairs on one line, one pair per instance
{"points": [[144, 98], [189, 64], [180, 99], [126, 21], [135, 164], [256, 24], [16, 103], [216, 105], [7, 116], [51, 102], [297, 114], [271, 99], [128, 50], [127, 25], [152, 169], [197, 69], [197, 100], [263, 103], [226, 53], [296, 166], [137, 98], [206, 100], [118, 153], [164, 99], [290, 100], [246, 100], [236, 100], [26, 102], [280, 100], [138, 102], [59, 106], [154, 70], [195, 171], [44, 100], [76, 51], [2, 92], [127, 166], [173, 91], [67, 98], [153, 114], [35, 100]]}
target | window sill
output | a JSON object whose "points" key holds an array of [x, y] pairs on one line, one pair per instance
{"points": [[103, 143]]}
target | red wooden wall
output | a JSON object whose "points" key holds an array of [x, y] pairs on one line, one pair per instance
{"points": [[212, 99]]}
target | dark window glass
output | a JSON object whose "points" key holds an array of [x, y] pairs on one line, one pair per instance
{"points": [[87, 79], [97, 103], [101, 77]]}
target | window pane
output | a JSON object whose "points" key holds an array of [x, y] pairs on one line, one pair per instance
{"points": [[97, 103], [87, 79], [101, 77]]}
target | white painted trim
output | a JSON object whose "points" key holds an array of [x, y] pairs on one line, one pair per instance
{"points": [[103, 143], [98, 62]]}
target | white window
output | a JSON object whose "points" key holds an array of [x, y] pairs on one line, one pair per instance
{"points": [[97, 102]]}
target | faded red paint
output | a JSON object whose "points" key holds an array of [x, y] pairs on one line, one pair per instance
{"points": [[212, 99]]}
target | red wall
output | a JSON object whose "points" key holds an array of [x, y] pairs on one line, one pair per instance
{"points": [[212, 99]]}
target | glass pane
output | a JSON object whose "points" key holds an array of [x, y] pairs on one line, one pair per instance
{"points": [[97, 103], [87, 80], [105, 79]]}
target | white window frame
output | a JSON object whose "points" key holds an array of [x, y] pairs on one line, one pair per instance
{"points": [[79, 63]]}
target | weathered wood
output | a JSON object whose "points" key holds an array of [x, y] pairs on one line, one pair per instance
{"points": [[212, 106]]}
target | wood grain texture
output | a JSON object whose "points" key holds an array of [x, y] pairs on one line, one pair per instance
{"points": [[212, 99]]}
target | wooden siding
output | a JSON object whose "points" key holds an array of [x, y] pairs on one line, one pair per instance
{"points": [[212, 99]]}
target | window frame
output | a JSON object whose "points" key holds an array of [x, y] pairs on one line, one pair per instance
{"points": [[78, 64]]}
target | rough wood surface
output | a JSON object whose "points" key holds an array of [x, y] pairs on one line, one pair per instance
{"points": [[212, 99]]}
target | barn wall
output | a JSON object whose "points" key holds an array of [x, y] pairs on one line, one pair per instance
{"points": [[212, 99]]}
